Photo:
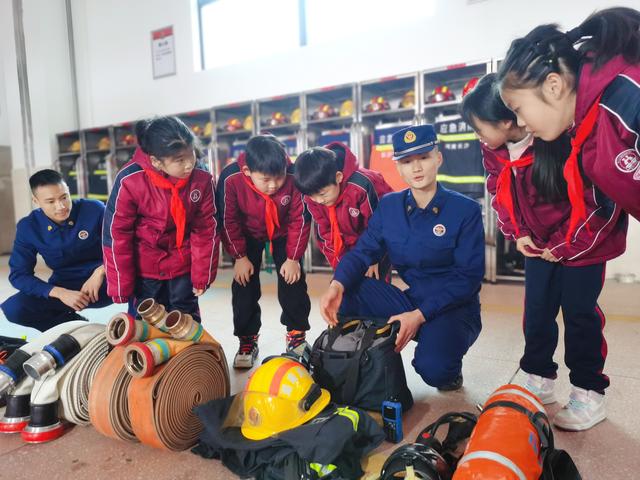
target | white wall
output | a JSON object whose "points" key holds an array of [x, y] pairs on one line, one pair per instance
{"points": [[50, 94]]}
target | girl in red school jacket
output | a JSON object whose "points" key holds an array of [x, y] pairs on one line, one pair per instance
{"points": [[159, 235], [530, 197]]}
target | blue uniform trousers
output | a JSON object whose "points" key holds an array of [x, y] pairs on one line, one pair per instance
{"points": [[442, 340], [43, 313]]}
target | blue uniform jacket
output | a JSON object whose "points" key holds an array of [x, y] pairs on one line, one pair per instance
{"points": [[438, 251], [72, 250]]}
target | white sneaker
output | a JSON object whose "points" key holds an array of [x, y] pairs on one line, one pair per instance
{"points": [[541, 387], [584, 410]]}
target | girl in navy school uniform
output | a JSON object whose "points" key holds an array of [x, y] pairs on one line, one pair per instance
{"points": [[592, 91], [530, 197]]}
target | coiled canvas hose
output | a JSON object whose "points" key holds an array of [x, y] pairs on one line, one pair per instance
{"points": [[161, 406]]}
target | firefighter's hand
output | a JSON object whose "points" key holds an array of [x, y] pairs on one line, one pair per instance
{"points": [[91, 287], [72, 298], [548, 256], [330, 303], [410, 323], [242, 271], [526, 247], [373, 272]]}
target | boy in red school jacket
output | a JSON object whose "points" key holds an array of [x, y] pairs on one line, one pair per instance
{"points": [[341, 197], [159, 234], [259, 205]]}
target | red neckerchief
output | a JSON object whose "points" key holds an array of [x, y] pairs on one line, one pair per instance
{"points": [[336, 235], [178, 212], [503, 185], [270, 211], [571, 171]]}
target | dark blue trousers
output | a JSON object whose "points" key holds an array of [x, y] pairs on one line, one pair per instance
{"points": [[550, 287], [174, 294], [44, 313], [442, 341]]}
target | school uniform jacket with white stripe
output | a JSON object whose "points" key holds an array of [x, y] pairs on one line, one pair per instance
{"points": [[241, 213], [600, 238], [139, 234], [611, 155]]}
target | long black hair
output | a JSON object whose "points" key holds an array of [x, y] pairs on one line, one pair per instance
{"points": [[546, 49], [165, 137], [484, 103]]}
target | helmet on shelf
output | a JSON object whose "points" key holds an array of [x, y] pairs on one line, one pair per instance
{"points": [[277, 118], [247, 124], [377, 104], [441, 93], [233, 124], [296, 116], [470, 85], [74, 147], [408, 99], [346, 109], [324, 111]]}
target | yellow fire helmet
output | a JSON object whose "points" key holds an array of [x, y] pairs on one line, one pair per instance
{"points": [[346, 109], [75, 146], [208, 129], [295, 116], [408, 99], [248, 122], [104, 143], [280, 395]]}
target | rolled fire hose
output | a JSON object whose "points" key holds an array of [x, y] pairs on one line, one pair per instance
{"points": [[108, 404], [123, 329], [141, 359], [161, 406], [63, 393], [17, 385], [57, 353], [153, 313]]}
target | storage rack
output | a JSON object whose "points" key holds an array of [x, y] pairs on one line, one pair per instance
{"points": [[224, 130]]}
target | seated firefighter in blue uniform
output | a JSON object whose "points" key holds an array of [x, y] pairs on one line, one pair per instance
{"points": [[68, 236], [435, 240]]}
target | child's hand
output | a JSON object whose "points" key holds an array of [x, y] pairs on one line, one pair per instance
{"points": [[242, 271], [548, 256], [290, 271], [198, 291], [373, 272], [526, 247]]}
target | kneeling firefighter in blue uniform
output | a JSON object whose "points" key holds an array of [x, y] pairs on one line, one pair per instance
{"points": [[435, 240], [68, 236]]}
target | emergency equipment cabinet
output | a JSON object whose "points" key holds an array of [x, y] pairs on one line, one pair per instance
{"points": [[69, 162]]}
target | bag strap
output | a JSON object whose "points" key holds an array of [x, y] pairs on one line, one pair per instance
{"points": [[353, 372], [558, 465]]}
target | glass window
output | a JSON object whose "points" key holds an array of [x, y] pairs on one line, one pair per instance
{"points": [[237, 31]]}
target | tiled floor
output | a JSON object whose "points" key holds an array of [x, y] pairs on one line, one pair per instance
{"points": [[610, 450]]}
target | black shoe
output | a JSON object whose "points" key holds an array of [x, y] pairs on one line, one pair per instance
{"points": [[455, 385]]}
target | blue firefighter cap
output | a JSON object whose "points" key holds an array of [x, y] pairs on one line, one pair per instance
{"points": [[413, 141]]}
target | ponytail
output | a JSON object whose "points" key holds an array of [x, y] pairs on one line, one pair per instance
{"points": [[546, 49]]}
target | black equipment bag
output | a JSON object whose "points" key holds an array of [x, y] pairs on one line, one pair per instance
{"points": [[357, 363]]}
